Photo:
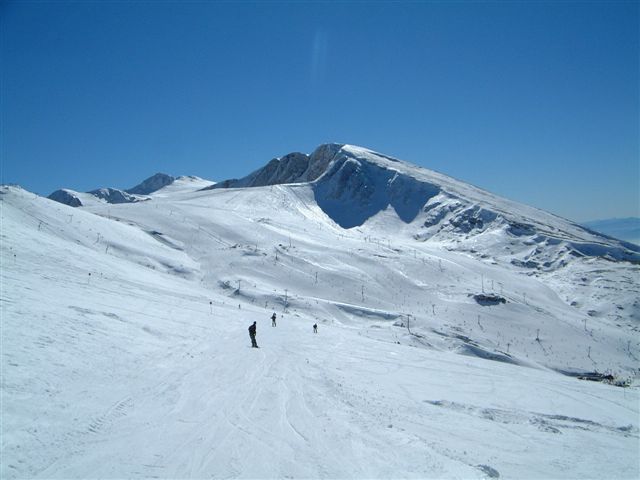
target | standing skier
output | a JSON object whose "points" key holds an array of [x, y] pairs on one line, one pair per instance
{"points": [[252, 335], [273, 319], [315, 328]]}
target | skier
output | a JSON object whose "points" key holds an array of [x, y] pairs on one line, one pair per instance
{"points": [[315, 328], [252, 334], [273, 319]]}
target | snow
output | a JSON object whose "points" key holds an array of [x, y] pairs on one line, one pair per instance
{"points": [[74, 198], [183, 184], [125, 351]]}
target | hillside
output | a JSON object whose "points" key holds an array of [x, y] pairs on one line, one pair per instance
{"points": [[125, 350]]}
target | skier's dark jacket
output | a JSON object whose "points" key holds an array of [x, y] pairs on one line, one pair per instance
{"points": [[252, 329]]}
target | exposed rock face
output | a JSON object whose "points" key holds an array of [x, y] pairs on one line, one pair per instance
{"points": [[292, 168], [152, 184], [489, 299], [320, 160], [67, 197], [288, 169]]}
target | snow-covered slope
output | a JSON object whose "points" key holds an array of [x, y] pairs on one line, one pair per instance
{"points": [[74, 199], [125, 351], [182, 184]]}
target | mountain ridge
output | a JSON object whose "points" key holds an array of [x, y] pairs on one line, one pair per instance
{"points": [[353, 184], [114, 195]]}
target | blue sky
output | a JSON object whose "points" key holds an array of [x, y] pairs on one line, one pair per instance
{"points": [[535, 101]]}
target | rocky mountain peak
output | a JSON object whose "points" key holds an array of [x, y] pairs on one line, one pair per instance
{"points": [[151, 184], [294, 167]]}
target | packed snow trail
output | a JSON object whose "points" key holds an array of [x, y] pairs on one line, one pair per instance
{"points": [[338, 405]]}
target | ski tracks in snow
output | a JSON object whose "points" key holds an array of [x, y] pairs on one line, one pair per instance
{"points": [[552, 423], [116, 411]]}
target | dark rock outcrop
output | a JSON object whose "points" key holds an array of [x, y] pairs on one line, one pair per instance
{"points": [[66, 197], [152, 184]]}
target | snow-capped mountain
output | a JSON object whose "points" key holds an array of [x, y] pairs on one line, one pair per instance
{"points": [[292, 168], [452, 328], [68, 197], [114, 195], [152, 184], [353, 185]]}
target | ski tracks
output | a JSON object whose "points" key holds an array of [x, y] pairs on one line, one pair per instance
{"points": [[550, 423], [117, 411], [226, 426]]}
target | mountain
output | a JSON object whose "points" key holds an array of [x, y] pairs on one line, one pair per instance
{"points": [[68, 197], [152, 184], [627, 229], [353, 185], [292, 168], [114, 195], [456, 331]]}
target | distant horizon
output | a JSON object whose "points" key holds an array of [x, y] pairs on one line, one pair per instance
{"points": [[537, 103]]}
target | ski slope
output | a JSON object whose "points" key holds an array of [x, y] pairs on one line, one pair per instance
{"points": [[125, 351]]}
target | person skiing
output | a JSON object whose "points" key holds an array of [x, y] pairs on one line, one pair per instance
{"points": [[252, 335], [315, 328], [273, 319]]}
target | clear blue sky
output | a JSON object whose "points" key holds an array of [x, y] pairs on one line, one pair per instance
{"points": [[535, 101]]}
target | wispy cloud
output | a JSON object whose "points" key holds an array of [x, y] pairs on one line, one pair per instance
{"points": [[319, 57]]}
